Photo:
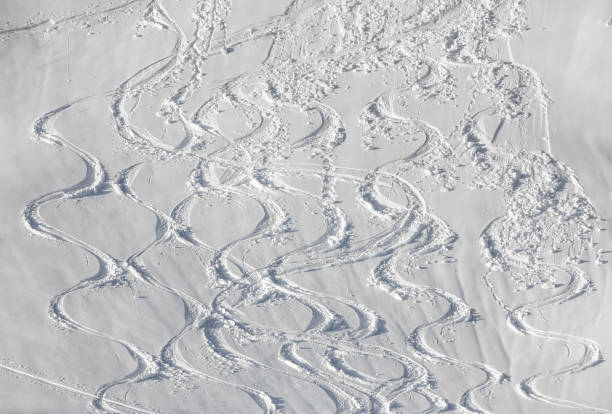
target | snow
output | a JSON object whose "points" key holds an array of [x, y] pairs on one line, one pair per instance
{"points": [[230, 206]]}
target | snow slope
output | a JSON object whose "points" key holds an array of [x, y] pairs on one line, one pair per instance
{"points": [[305, 206]]}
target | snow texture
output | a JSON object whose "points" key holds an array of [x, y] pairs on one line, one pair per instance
{"points": [[305, 206]]}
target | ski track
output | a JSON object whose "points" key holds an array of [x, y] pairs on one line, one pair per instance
{"points": [[256, 164]]}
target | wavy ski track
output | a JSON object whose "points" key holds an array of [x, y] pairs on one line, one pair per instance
{"points": [[385, 276], [503, 258], [111, 271], [592, 353], [481, 150], [577, 286]]}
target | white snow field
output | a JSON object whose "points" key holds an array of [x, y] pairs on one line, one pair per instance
{"points": [[305, 206]]}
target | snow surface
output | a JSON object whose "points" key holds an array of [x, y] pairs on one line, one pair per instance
{"points": [[305, 206]]}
